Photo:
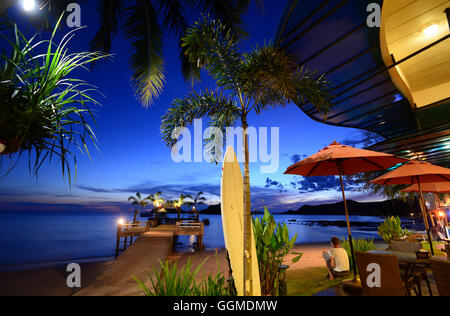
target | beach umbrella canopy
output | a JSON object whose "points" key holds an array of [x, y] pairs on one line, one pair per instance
{"points": [[435, 187], [337, 159], [417, 172]]}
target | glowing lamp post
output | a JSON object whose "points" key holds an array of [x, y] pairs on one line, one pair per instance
{"points": [[442, 216], [2, 147]]}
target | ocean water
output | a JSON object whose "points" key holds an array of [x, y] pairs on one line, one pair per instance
{"points": [[45, 238]]}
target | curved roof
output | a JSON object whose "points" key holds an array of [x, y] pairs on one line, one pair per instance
{"points": [[332, 37]]}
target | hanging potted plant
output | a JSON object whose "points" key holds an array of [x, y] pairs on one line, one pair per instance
{"points": [[44, 110]]}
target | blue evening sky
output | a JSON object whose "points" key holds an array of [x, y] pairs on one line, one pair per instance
{"points": [[133, 158]]}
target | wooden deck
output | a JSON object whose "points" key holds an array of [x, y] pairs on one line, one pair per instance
{"points": [[139, 260]]}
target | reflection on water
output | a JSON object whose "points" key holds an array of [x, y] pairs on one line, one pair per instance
{"points": [[30, 237], [309, 229]]}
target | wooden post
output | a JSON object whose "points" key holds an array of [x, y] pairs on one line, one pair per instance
{"points": [[350, 239], [424, 215], [119, 229]]}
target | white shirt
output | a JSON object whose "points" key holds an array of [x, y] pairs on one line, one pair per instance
{"points": [[341, 259]]}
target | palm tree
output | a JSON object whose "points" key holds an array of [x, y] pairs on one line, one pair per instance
{"points": [[198, 199], [139, 202], [158, 202], [179, 203], [246, 82], [144, 23], [45, 110]]}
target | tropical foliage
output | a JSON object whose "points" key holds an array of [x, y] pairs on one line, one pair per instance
{"points": [[156, 199], [172, 281], [391, 229], [272, 246], [359, 244], [180, 202], [246, 82], [145, 24], [140, 202], [45, 112], [197, 200]]}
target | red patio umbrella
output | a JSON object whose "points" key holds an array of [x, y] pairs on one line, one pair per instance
{"points": [[435, 187], [417, 172], [337, 159]]}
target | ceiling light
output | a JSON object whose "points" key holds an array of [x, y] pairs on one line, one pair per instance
{"points": [[431, 30]]}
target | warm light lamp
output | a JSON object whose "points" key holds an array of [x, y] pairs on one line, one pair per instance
{"points": [[29, 5], [121, 221], [431, 30]]}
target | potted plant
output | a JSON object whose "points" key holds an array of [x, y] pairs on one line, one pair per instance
{"points": [[44, 110], [391, 231]]}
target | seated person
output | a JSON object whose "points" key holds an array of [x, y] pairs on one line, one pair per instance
{"points": [[337, 260]]}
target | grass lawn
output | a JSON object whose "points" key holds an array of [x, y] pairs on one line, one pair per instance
{"points": [[437, 247], [309, 281]]}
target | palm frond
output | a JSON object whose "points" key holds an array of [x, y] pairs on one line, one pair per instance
{"points": [[212, 46], [184, 111], [45, 111], [314, 89], [269, 77], [110, 12], [273, 79], [144, 32], [228, 11]]}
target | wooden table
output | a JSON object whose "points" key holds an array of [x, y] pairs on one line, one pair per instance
{"points": [[411, 266]]}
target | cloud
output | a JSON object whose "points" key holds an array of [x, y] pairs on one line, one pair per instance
{"points": [[324, 183], [296, 158], [352, 142], [95, 190], [274, 185]]}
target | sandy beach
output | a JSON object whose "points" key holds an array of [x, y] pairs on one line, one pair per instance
{"points": [[51, 281]]}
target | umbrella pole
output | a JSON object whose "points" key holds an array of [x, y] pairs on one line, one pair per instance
{"points": [[350, 239], [425, 217]]}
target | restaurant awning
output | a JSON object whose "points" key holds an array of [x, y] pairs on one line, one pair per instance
{"points": [[333, 37]]}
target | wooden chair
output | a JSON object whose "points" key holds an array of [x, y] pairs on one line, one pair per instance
{"points": [[441, 272], [419, 273], [441, 237], [390, 280]]}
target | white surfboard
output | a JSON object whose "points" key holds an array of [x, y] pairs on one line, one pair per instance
{"points": [[232, 204]]}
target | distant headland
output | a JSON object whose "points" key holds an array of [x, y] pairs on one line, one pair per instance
{"points": [[383, 208]]}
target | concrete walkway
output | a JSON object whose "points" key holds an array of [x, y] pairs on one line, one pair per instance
{"points": [[138, 260]]}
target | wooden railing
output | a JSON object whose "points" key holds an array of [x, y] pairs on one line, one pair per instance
{"points": [[130, 230], [190, 228]]}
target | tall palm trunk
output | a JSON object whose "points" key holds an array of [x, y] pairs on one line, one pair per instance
{"points": [[247, 214]]}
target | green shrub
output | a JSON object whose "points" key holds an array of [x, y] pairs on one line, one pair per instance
{"points": [[174, 282], [359, 244], [272, 246], [391, 229]]}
